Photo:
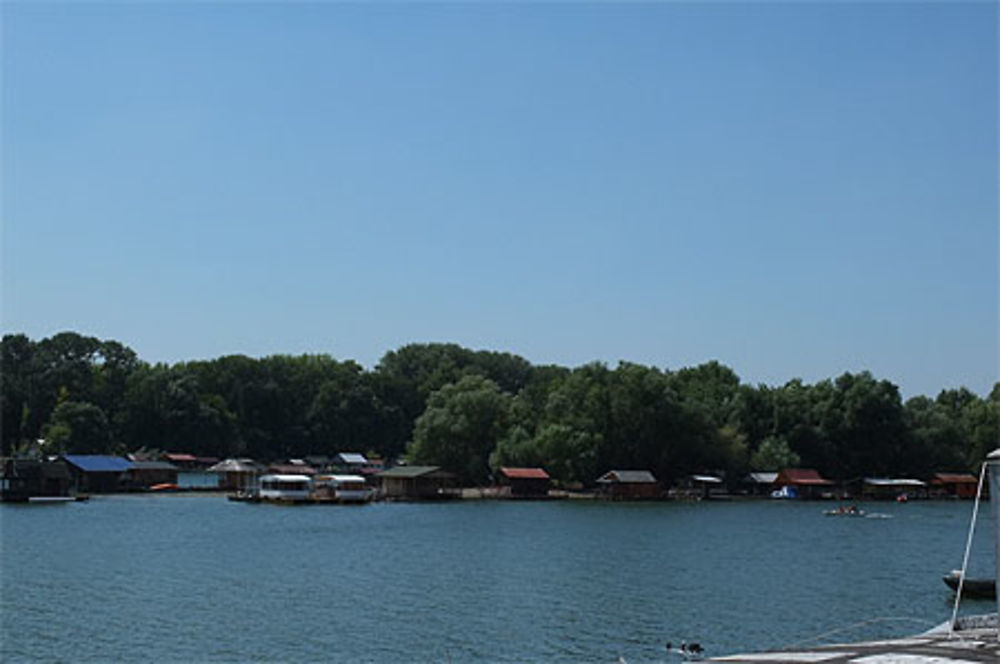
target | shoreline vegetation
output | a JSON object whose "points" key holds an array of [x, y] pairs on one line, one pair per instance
{"points": [[472, 412]]}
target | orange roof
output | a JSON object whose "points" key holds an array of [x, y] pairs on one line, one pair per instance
{"points": [[525, 473]]}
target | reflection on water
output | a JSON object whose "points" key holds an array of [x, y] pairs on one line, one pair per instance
{"points": [[199, 578]]}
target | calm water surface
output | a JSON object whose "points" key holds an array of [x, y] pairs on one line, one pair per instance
{"points": [[197, 578]]}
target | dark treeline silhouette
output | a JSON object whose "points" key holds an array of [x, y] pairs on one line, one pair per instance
{"points": [[473, 411]]}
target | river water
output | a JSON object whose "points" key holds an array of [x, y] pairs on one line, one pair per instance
{"points": [[197, 578]]}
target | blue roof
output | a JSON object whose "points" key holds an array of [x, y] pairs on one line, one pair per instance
{"points": [[96, 463]]}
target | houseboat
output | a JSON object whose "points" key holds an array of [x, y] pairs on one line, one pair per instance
{"points": [[342, 489], [285, 488]]}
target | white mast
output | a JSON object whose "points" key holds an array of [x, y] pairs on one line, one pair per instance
{"points": [[993, 461]]}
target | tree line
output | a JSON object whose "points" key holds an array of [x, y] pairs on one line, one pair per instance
{"points": [[473, 411]]}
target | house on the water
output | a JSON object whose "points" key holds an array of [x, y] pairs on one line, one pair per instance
{"points": [[954, 485], [891, 488], [24, 479], [418, 483], [236, 474], [144, 474], [95, 473], [801, 483], [703, 486], [629, 485], [524, 482], [758, 483]]}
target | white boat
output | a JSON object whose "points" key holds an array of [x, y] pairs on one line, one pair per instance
{"points": [[285, 488], [343, 489]]}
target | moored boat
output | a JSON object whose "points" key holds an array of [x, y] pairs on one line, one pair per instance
{"points": [[982, 588], [281, 488], [342, 489]]}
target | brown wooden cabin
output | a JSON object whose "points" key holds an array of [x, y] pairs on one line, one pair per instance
{"points": [[144, 474], [955, 485], [418, 483], [524, 482], [807, 482], [629, 485], [32, 478]]}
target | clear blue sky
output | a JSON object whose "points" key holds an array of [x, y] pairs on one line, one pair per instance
{"points": [[793, 189]]}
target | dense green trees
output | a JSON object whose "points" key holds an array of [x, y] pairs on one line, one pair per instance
{"points": [[461, 426], [474, 411]]}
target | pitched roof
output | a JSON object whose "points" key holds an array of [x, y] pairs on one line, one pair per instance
{"points": [[352, 457], [801, 476], [762, 478], [235, 466], [524, 473], [954, 478], [627, 477], [182, 458], [409, 471], [96, 463]]}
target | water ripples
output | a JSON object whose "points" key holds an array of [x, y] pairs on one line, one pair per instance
{"points": [[192, 578]]}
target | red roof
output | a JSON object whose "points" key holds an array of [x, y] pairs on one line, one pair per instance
{"points": [[801, 477], [180, 457], [525, 473], [954, 478]]}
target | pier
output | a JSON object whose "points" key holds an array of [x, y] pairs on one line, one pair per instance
{"points": [[973, 643]]}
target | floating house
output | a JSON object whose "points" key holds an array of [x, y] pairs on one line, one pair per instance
{"points": [[707, 486], [418, 483], [954, 485], [236, 474], [25, 479], [759, 484], [524, 482], [801, 483], [94, 473], [629, 485], [285, 487], [886, 488], [342, 489], [144, 474]]}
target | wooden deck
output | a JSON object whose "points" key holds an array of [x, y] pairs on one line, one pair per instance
{"points": [[971, 645]]}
